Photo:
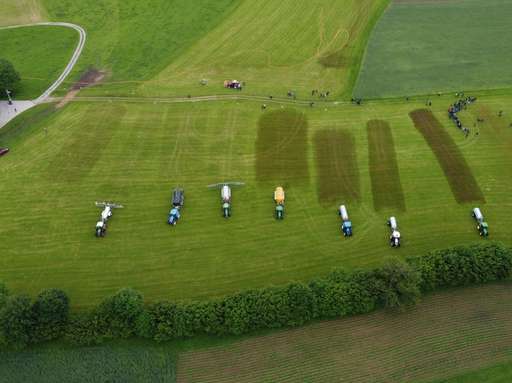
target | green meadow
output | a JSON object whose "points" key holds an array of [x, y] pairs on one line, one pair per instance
{"points": [[149, 126]]}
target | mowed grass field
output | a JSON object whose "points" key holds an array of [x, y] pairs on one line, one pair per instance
{"points": [[21, 12], [273, 46], [445, 335], [424, 47], [135, 153], [50, 50]]}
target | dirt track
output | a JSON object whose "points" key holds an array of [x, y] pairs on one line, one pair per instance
{"points": [[462, 182]]}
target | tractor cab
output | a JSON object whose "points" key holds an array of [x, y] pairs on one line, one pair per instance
{"points": [[174, 216], [346, 228], [226, 210], [394, 239], [279, 212], [101, 228], [483, 229]]}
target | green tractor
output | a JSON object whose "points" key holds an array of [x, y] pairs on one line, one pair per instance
{"points": [[279, 212]]}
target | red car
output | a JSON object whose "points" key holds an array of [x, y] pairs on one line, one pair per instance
{"points": [[3, 151]]}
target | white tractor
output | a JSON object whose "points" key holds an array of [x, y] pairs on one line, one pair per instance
{"points": [[395, 237], [106, 213]]}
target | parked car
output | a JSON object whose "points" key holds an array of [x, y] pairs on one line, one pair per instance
{"points": [[4, 151]]}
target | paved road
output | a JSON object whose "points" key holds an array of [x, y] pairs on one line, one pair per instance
{"points": [[8, 112]]}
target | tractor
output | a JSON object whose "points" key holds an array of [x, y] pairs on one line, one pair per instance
{"points": [[279, 200], [106, 214], [225, 196], [395, 237], [346, 224], [174, 216], [101, 228], [482, 226], [177, 201]]}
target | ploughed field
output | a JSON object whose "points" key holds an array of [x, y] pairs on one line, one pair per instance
{"points": [[448, 334], [372, 157]]}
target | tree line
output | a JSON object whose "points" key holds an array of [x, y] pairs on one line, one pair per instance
{"points": [[25, 321]]}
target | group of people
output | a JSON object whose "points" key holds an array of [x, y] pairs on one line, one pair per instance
{"points": [[455, 108]]}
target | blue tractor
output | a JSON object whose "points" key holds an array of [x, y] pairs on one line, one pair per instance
{"points": [[346, 224], [178, 199]]}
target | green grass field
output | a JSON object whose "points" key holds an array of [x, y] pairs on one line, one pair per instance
{"points": [[501, 373], [136, 153], [50, 50], [382, 158], [424, 47], [274, 46]]}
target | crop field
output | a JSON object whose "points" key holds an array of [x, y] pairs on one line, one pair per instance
{"points": [[424, 47], [56, 44], [131, 363], [445, 335]]}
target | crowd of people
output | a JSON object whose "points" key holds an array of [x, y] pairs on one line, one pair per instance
{"points": [[455, 108]]}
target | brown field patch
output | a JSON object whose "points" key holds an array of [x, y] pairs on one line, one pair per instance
{"points": [[447, 334], [384, 174], [336, 163], [90, 77], [462, 182], [282, 147]]}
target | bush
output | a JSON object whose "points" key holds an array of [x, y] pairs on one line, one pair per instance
{"points": [[462, 266], [118, 315], [17, 321], [85, 329], [396, 284], [50, 310]]}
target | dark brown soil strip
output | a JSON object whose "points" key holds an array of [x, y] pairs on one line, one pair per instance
{"points": [[385, 177], [336, 164], [282, 147], [462, 182]]}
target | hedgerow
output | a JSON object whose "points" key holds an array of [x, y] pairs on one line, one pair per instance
{"points": [[123, 315]]}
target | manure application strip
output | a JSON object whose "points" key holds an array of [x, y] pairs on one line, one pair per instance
{"points": [[445, 334], [384, 174], [463, 184], [282, 147], [336, 166]]}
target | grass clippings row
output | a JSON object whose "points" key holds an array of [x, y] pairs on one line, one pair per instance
{"points": [[336, 164], [384, 174], [457, 171], [282, 147], [446, 334]]}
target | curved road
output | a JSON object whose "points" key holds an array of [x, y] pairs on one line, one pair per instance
{"points": [[8, 112]]}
